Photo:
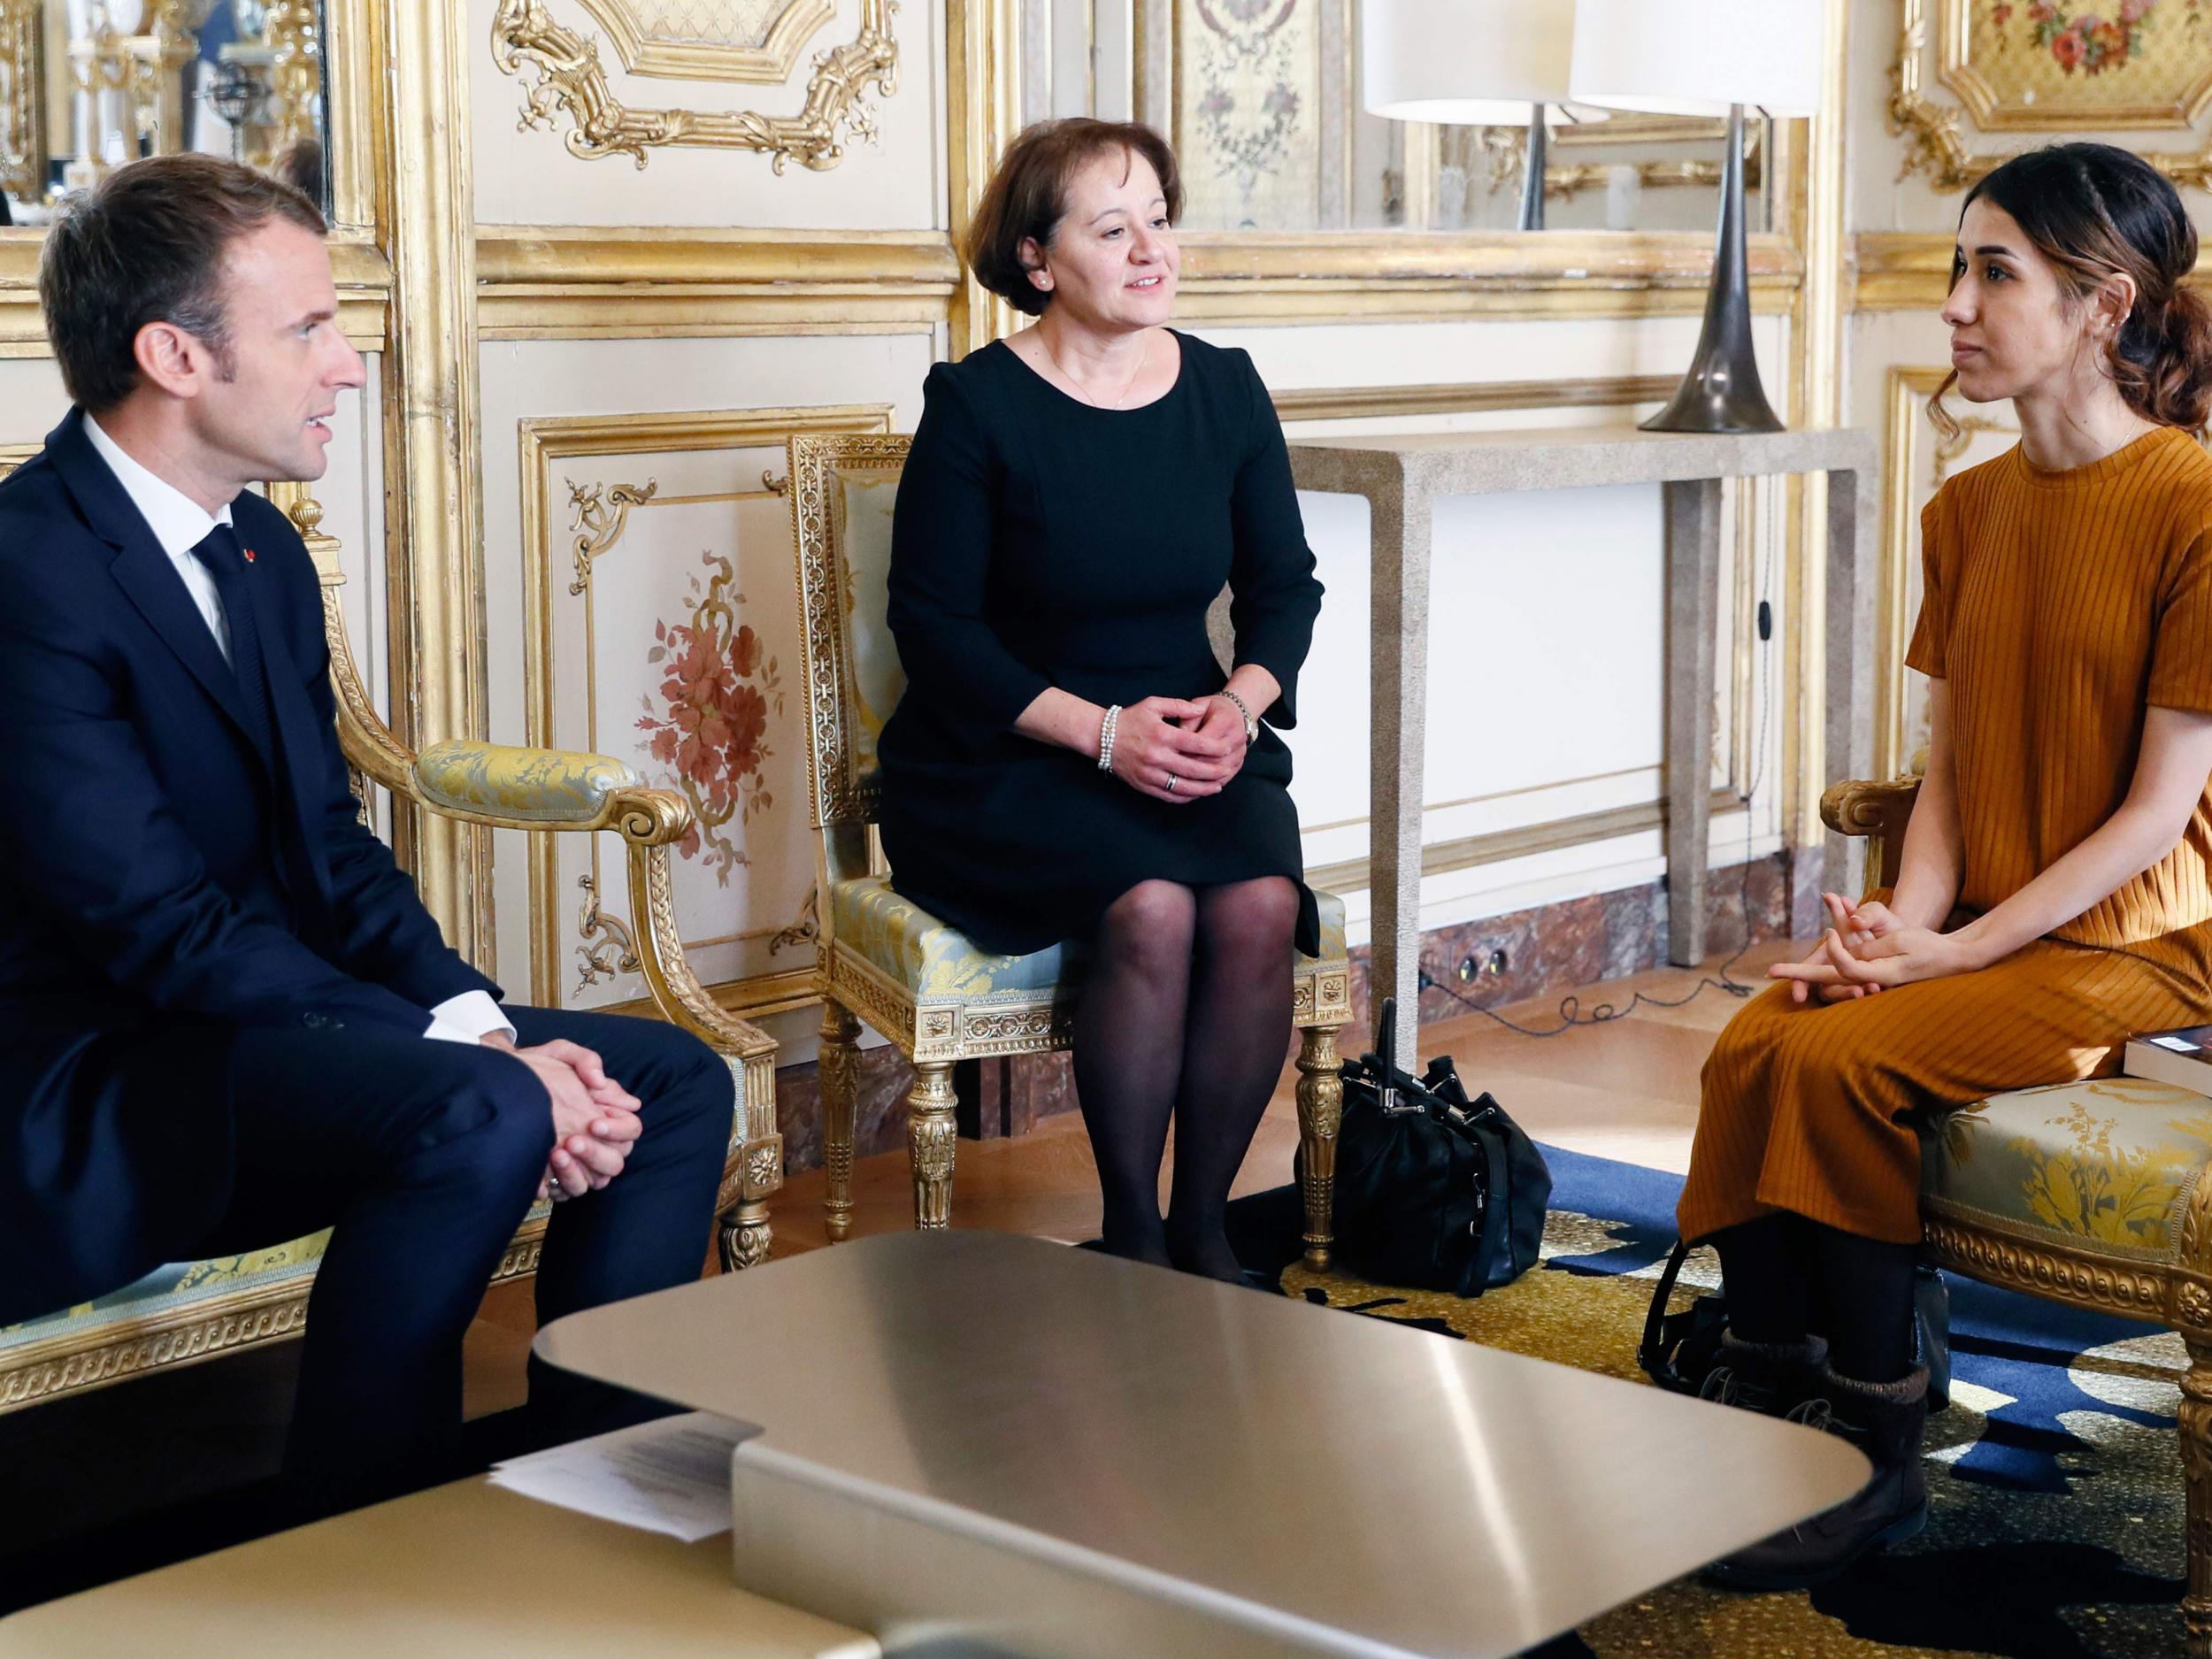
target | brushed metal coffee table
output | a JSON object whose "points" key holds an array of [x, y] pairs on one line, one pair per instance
{"points": [[981, 1444]]}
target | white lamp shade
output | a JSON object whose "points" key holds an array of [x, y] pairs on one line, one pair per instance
{"points": [[1698, 57], [1472, 63]]}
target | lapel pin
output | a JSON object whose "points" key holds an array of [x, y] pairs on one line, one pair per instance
{"points": [[248, 555]]}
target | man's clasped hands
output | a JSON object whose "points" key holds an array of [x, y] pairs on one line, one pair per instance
{"points": [[594, 1118]]}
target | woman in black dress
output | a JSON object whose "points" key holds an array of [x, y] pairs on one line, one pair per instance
{"points": [[1069, 761]]}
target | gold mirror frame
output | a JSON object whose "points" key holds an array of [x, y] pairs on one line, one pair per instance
{"points": [[569, 76], [22, 100], [1937, 148]]}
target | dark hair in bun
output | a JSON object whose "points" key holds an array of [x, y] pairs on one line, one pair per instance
{"points": [[2095, 211]]}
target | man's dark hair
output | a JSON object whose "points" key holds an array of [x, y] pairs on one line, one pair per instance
{"points": [[147, 245]]}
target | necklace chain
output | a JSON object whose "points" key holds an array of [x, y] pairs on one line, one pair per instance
{"points": [[1127, 386]]}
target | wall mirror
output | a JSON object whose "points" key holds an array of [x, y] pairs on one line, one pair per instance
{"points": [[1261, 100], [88, 85]]}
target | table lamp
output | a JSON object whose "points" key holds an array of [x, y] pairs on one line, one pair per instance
{"points": [[1473, 63], [1707, 58]]}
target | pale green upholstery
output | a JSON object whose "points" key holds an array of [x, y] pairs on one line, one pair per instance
{"points": [[522, 786], [2107, 1164], [933, 961]]}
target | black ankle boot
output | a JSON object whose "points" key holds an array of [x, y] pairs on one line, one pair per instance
{"points": [[1769, 1377], [1883, 1420]]}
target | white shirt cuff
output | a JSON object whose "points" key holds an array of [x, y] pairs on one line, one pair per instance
{"points": [[466, 1017]]}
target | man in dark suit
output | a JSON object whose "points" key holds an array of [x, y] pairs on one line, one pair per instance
{"points": [[225, 1019]]}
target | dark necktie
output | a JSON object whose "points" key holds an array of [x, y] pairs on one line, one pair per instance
{"points": [[219, 553]]}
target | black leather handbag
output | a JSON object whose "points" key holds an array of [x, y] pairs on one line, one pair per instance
{"points": [[1433, 1191]]}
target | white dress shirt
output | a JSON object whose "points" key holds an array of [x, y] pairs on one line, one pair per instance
{"points": [[181, 524]]}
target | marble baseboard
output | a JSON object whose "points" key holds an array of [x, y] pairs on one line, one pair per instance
{"points": [[1551, 950], [998, 1098], [1548, 951]]}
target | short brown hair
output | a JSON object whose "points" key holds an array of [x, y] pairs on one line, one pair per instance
{"points": [[1029, 193], [147, 245]]}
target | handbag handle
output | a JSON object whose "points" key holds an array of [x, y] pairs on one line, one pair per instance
{"points": [[1495, 1185], [1647, 1354]]}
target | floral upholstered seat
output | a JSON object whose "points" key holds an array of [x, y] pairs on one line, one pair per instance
{"points": [[2109, 1163]]}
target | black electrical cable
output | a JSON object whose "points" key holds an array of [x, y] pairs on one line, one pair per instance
{"points": [[1570, 1014]]}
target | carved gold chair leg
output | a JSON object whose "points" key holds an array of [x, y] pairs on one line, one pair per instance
{"points": [[1320, 1109], [746, 1237], [839, 1066], [932, 1134], [2196, 1469]]}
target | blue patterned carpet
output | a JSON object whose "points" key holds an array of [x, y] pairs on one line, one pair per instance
{"points": [[2055, 1478]]}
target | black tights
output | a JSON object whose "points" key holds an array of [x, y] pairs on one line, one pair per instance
{"points": [[1786, 1275], [1186, 1014]]}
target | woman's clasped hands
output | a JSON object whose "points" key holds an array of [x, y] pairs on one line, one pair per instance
{"points": [[1176, 749], [1867, 947]]}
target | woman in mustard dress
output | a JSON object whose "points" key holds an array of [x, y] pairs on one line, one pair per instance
{"points": [[2055, 892]]}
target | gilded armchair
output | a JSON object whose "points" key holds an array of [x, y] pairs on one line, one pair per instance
{"points": [[1991, 1210], [191, 1311], [935, 996]]}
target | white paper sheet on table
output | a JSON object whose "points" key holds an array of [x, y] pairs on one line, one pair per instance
{"points": [[671, 1476]]}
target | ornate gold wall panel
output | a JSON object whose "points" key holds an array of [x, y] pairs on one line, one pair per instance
{"points": [[564, 75], [1911, 271], [575, 516], [1937, 148], [711, 40]]}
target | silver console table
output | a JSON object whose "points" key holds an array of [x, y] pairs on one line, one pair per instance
{"points": [[1402, 478]]}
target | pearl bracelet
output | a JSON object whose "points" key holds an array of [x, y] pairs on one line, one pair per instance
{"points": [[1106, 738]]}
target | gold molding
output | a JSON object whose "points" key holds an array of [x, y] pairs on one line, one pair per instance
{"points": [[1260, 277], [541, 443], [567, 74], [982, 112], [362, 271], [23, 117], [1910, 270], [575, 282], [434, 515], [1370, 402], [1935, 148], [768, 63]]}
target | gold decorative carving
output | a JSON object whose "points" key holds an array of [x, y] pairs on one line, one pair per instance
{"points": [[2196, 1473], [296, 73], [1320, 1112], [933, 1139], [841, 793], [745, 1243], [2049, 1270], [566, 73], [1507, 148], [805, 931], [616, 941], [722, 40], [838, 1063], [1935, 146], [600, 521], [22, 100]]}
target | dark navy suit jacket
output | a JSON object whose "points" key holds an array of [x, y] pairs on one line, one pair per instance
{"points": [[172, 884]]}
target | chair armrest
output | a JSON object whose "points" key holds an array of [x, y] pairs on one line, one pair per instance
{"points": [[512, 787], [1879, 812]]}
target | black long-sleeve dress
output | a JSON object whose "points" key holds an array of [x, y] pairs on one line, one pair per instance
{"points": [[1040, 541]]}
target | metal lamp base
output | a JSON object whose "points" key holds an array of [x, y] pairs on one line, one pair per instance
{"points": [[1720, 392]]}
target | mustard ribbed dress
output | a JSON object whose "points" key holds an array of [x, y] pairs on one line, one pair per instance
{"points": [[2058, 605]]}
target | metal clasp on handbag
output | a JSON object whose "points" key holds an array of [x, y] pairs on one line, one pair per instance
{"points": [[1387, 1095]]}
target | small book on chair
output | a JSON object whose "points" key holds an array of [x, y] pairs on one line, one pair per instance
{"points": [[2183, 1058]]}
